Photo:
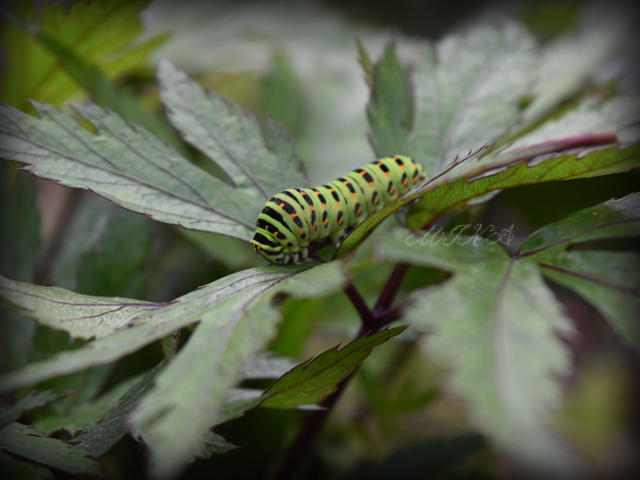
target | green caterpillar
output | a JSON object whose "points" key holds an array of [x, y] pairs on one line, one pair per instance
{"points": [[292, 219]]}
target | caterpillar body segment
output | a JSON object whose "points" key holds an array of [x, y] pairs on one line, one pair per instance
{"points": [[296, 217]]}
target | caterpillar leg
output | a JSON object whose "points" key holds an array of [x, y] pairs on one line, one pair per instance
{"points": [[304, 252]]}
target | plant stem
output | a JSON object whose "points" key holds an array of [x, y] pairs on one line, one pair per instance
{"points": [[372, 321], [391, 288]]}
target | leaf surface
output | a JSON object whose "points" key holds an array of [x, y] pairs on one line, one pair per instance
{"points": [[231, 137], [188, 397], [467, 89], [608, 280], [495, 324], [318, 377], [29, 443], [82, 316], [98, 439], [128, 166]]}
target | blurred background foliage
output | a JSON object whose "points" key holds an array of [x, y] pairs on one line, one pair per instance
{"points": [[298, 62]]}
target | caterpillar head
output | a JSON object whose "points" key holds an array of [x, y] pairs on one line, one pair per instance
{"points": [[267, 246]]}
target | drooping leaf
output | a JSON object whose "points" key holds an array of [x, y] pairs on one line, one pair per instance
{"points": [[34, 399], [608, 280], [129, 167], [495, 324], [231, 137], [318, 377], [13, 469], [212, 444], [189, 395], [100, 32], [98, 439], [81, 315], [467, 89], [29, 443]]}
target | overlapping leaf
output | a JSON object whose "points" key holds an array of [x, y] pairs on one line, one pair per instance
{"points": [[608, 280], [495, 323], [236, 320], [319, 377], [25, 441], [32, 400], [230, 136], [467, 89], [189, 394]]}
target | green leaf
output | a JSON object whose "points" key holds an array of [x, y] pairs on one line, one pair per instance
{"points": [[318, 377], [81, 315], [98, 439], [444, 194], [128, 166], [495, 324], [188, 396], [29, 443], [212, 444], [34, 399], [467, 89], [100, 32], [231, 137], [607, 280], [13, 469]]}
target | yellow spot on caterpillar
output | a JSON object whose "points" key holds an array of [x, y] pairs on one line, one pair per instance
{"points": [[355, 195], [391, 191], [345, 182], [311, 208], [325, 222], [293, 215], [304, 193], [338, 203], [415, 180], [379, 163], [404, 183], [371, 184], [282, 205], [402, 167], [301, 233], [375, 202], [387, 174], [331, 189], [315, 226], [340, 221], [324, 205]]}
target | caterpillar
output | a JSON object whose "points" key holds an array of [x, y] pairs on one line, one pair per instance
{"points": [[295, 217]]}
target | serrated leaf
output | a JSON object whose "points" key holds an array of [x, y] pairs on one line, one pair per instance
{"points": [[99, 31], [318, 377], [231, 137], [475, 178], [483, 177], [495, 323], [129, 167], [13, 469], [98, 439], [34, 399], [82, 316], [212, 444], [188, 397], [608, 280], [29, 443], [467, 89]]}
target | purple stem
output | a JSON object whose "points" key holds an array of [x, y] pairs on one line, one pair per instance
{"points": [[372, 321]]}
